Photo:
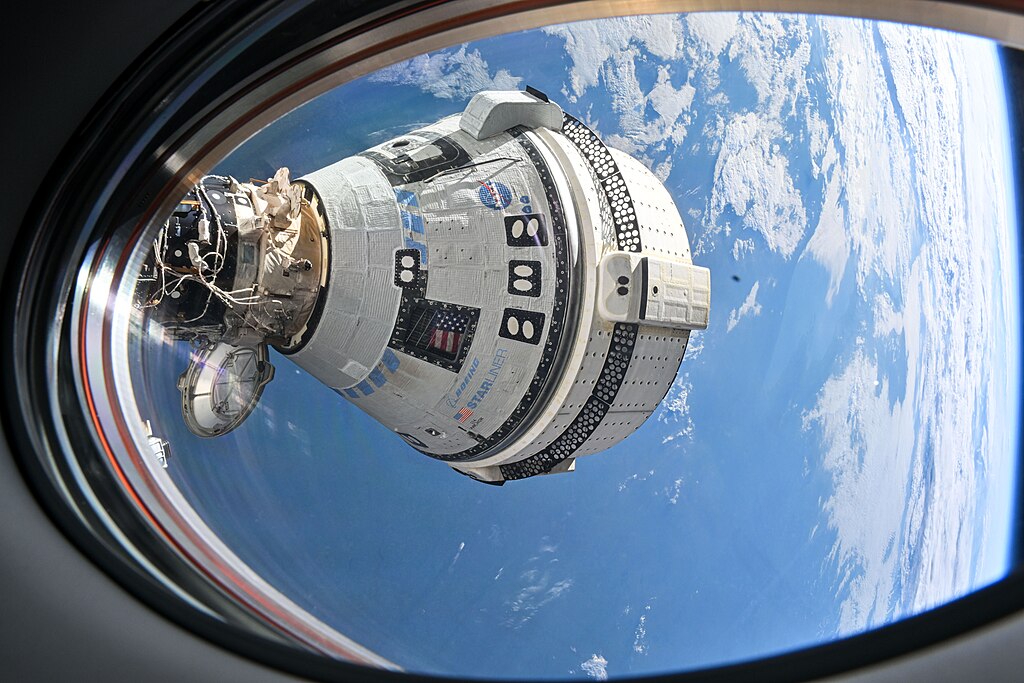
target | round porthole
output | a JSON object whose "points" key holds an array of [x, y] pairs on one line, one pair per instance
{"points": [[387, 339]]}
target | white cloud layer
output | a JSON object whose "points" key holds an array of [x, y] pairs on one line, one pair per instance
{"points": [[749, 307], [752, 173], [592, 44], [539, 586], [742, 247], [877, 158], [606, 53], [640, 636], [675, 409], [710, 32], [907, 471], [596, 667], [448, 75], [752, 179], [672, 492]]}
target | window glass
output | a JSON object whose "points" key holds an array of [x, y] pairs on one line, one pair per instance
{"points": [[836, 451]]}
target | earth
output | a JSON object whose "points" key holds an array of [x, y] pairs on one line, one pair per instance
{"points": [[837, 451]]}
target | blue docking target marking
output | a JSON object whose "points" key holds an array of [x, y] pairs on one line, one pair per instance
{"points": [[495, 194]]}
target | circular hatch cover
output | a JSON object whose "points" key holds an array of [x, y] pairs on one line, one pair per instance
{"points": [[222, 386]]}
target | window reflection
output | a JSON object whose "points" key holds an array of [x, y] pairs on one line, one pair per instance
{"points": [[837, 450]]}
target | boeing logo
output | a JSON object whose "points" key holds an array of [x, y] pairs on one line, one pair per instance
{"points": [[453, 399], [485, 386]]}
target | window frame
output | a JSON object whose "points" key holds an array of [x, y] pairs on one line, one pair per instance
{"points": [[218, 74]]}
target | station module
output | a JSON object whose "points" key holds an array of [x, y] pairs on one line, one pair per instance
{"points": [[500, 289]]}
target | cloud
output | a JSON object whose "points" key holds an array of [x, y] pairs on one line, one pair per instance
{"points": [[675, 408], [673, 491], [606, 52], [596, 667], [710, 32], [829, 244], [887, 320], [747, 308], [773, 51], [742, 247], [538, 592], [640, 635], [538, 588], [449, 75], [634, 477], [752, 180], [909, 467], [867, 449], [458, 554], [668, 101], [753, 183], [591, 44], [870, 150]]}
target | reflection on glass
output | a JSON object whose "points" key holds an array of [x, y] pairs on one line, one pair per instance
{"points": [[836, 452]]}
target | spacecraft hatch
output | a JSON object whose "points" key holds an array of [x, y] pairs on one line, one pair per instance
{"points": [[501, 289]]}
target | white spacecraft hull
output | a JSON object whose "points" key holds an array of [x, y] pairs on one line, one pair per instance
{"points": [[505, 237], [499, 288]]}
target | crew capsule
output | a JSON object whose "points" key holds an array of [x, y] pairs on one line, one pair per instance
{"points": [[500, 289]]}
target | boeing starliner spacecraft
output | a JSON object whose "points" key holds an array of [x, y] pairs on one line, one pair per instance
{"points": [[500, 289]]}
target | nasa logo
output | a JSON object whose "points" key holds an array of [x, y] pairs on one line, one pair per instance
{"points": [[495, 194]]}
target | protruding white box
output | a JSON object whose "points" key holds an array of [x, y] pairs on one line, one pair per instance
{"points": [[651, 289], [493, 111]]}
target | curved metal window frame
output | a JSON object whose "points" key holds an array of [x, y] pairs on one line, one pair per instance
{"points": [[223, 72]]}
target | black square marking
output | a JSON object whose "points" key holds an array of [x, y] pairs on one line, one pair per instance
{"points": [[524, 277], [526, 230], [407, 269], [524, 326], [434, 331]]}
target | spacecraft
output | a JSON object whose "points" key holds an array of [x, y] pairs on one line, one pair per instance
{"points": [[500, 289]]}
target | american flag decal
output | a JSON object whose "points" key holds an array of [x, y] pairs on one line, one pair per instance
{"points": [[446, 332], [434, 331], [463, 414]]}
